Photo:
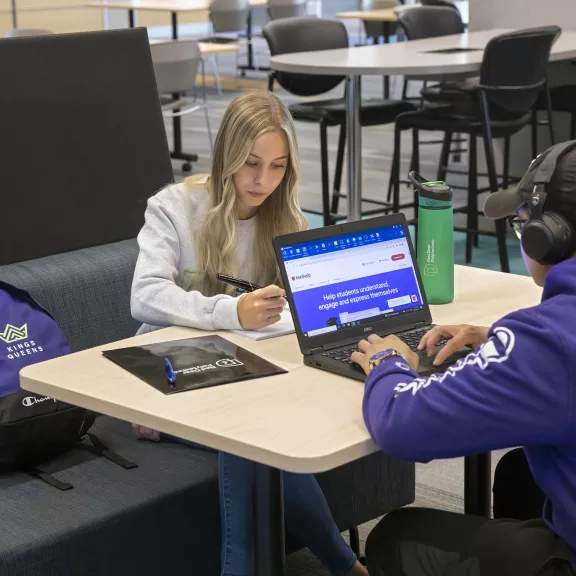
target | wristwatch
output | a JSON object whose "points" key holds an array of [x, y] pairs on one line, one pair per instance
{"points": [[381, 356]]}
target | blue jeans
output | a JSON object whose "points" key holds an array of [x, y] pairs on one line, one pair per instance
{"points": [[306, 514]]}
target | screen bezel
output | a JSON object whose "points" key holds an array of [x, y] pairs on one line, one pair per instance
{"points": [[386, 325]]}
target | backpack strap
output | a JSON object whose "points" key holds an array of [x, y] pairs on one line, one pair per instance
{"points": [[103, 450], [99, 447], [48, 478]]}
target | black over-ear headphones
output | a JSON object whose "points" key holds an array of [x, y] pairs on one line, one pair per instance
{"points": [[547, 237]]}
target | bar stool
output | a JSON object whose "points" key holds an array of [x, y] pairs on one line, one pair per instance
{"points": [[308, 34], [497, 105]]}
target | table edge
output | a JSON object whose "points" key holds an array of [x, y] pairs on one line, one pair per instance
{"points": [[299, 465]]}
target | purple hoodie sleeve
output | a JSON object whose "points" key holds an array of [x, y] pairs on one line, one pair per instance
{"points": [[514, 390]]}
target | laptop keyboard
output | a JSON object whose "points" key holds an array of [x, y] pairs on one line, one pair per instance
{"points": [[411, 338]]}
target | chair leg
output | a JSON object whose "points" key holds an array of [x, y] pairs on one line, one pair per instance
{"points": [[534, 134], [216, 72], [506, 167], [472, 209], [549, 110], [355, 541], [444, 157], [395, 175], [338, 172], [424, 86], [457, 157], [390, 183], [325, 174], [489, 149], [405, 90], [416, 167], [210, 140]]}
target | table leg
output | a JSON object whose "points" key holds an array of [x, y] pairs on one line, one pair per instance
{"points": [[387, 29], [174, 25], [177, 153], [131, 20], [269, 551], [249, 39], [477, 484], [354, 136], [250, 64]]}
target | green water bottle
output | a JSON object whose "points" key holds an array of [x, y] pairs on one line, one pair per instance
{"points": [[435, 243]]}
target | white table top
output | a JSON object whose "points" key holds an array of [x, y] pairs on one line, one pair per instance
{"points": [[304, 421], [161, 5], [408, 58]]}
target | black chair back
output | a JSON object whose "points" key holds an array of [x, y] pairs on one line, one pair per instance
{"points": [[82, 138], [301, 34], [430, 22], [443, 3], [515, 66]]}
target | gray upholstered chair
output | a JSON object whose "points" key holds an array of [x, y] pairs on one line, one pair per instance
{"points": [[176, 66], [286, 8], [429, 22], [227, 16]]}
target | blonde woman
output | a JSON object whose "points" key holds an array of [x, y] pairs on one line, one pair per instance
{"points": [[225, 223]]}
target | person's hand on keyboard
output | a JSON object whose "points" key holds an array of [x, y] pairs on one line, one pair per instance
{"points": [[374, 344], [458, 337]]}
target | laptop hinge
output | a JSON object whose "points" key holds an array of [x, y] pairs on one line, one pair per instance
{"points": [[317, 349]]}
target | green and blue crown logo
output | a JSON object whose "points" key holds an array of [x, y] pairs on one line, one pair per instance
{"points": [[14, 334]]}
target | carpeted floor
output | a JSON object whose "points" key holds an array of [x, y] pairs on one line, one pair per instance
{"points": [[440, 483]]}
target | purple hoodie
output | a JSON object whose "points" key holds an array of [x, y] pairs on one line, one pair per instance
{"points": [[517, 389]]}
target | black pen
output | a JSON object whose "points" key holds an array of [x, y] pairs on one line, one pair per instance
{"points": [[238, 283]]}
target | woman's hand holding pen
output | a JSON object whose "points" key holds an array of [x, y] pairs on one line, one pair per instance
{"points": [[261, 308]]}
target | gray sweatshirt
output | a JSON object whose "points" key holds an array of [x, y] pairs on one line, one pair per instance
{"points": [[163, 287]]}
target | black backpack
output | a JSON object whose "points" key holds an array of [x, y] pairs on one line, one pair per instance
{"points": [[33, 428]]}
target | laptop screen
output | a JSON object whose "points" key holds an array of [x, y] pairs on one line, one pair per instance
{"points": [[343, 281]]}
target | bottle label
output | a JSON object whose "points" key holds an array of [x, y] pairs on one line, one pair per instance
{"points": [[434, 203], [430, 268]]}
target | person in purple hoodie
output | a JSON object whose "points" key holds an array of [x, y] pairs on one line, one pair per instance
{"points": [[518, 388]]}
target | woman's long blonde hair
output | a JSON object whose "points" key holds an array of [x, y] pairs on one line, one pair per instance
{"points": [[246, 118]]}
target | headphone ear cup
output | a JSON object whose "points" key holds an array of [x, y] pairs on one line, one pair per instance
{"points": [[563, 235], [549, 240], [536, 240]]}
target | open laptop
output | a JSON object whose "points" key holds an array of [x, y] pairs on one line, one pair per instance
{"points": [[348, 281]]}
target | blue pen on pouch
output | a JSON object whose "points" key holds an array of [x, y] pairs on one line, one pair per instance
{"points": [[170, 374]]}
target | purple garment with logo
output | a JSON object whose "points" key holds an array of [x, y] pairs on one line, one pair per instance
{"points": [[28, 335], [517, 389]]}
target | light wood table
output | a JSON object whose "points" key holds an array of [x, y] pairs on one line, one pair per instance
{"points": [[207, 48], [417, 58], [304, 421], [213, 49], [175, 7]]}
